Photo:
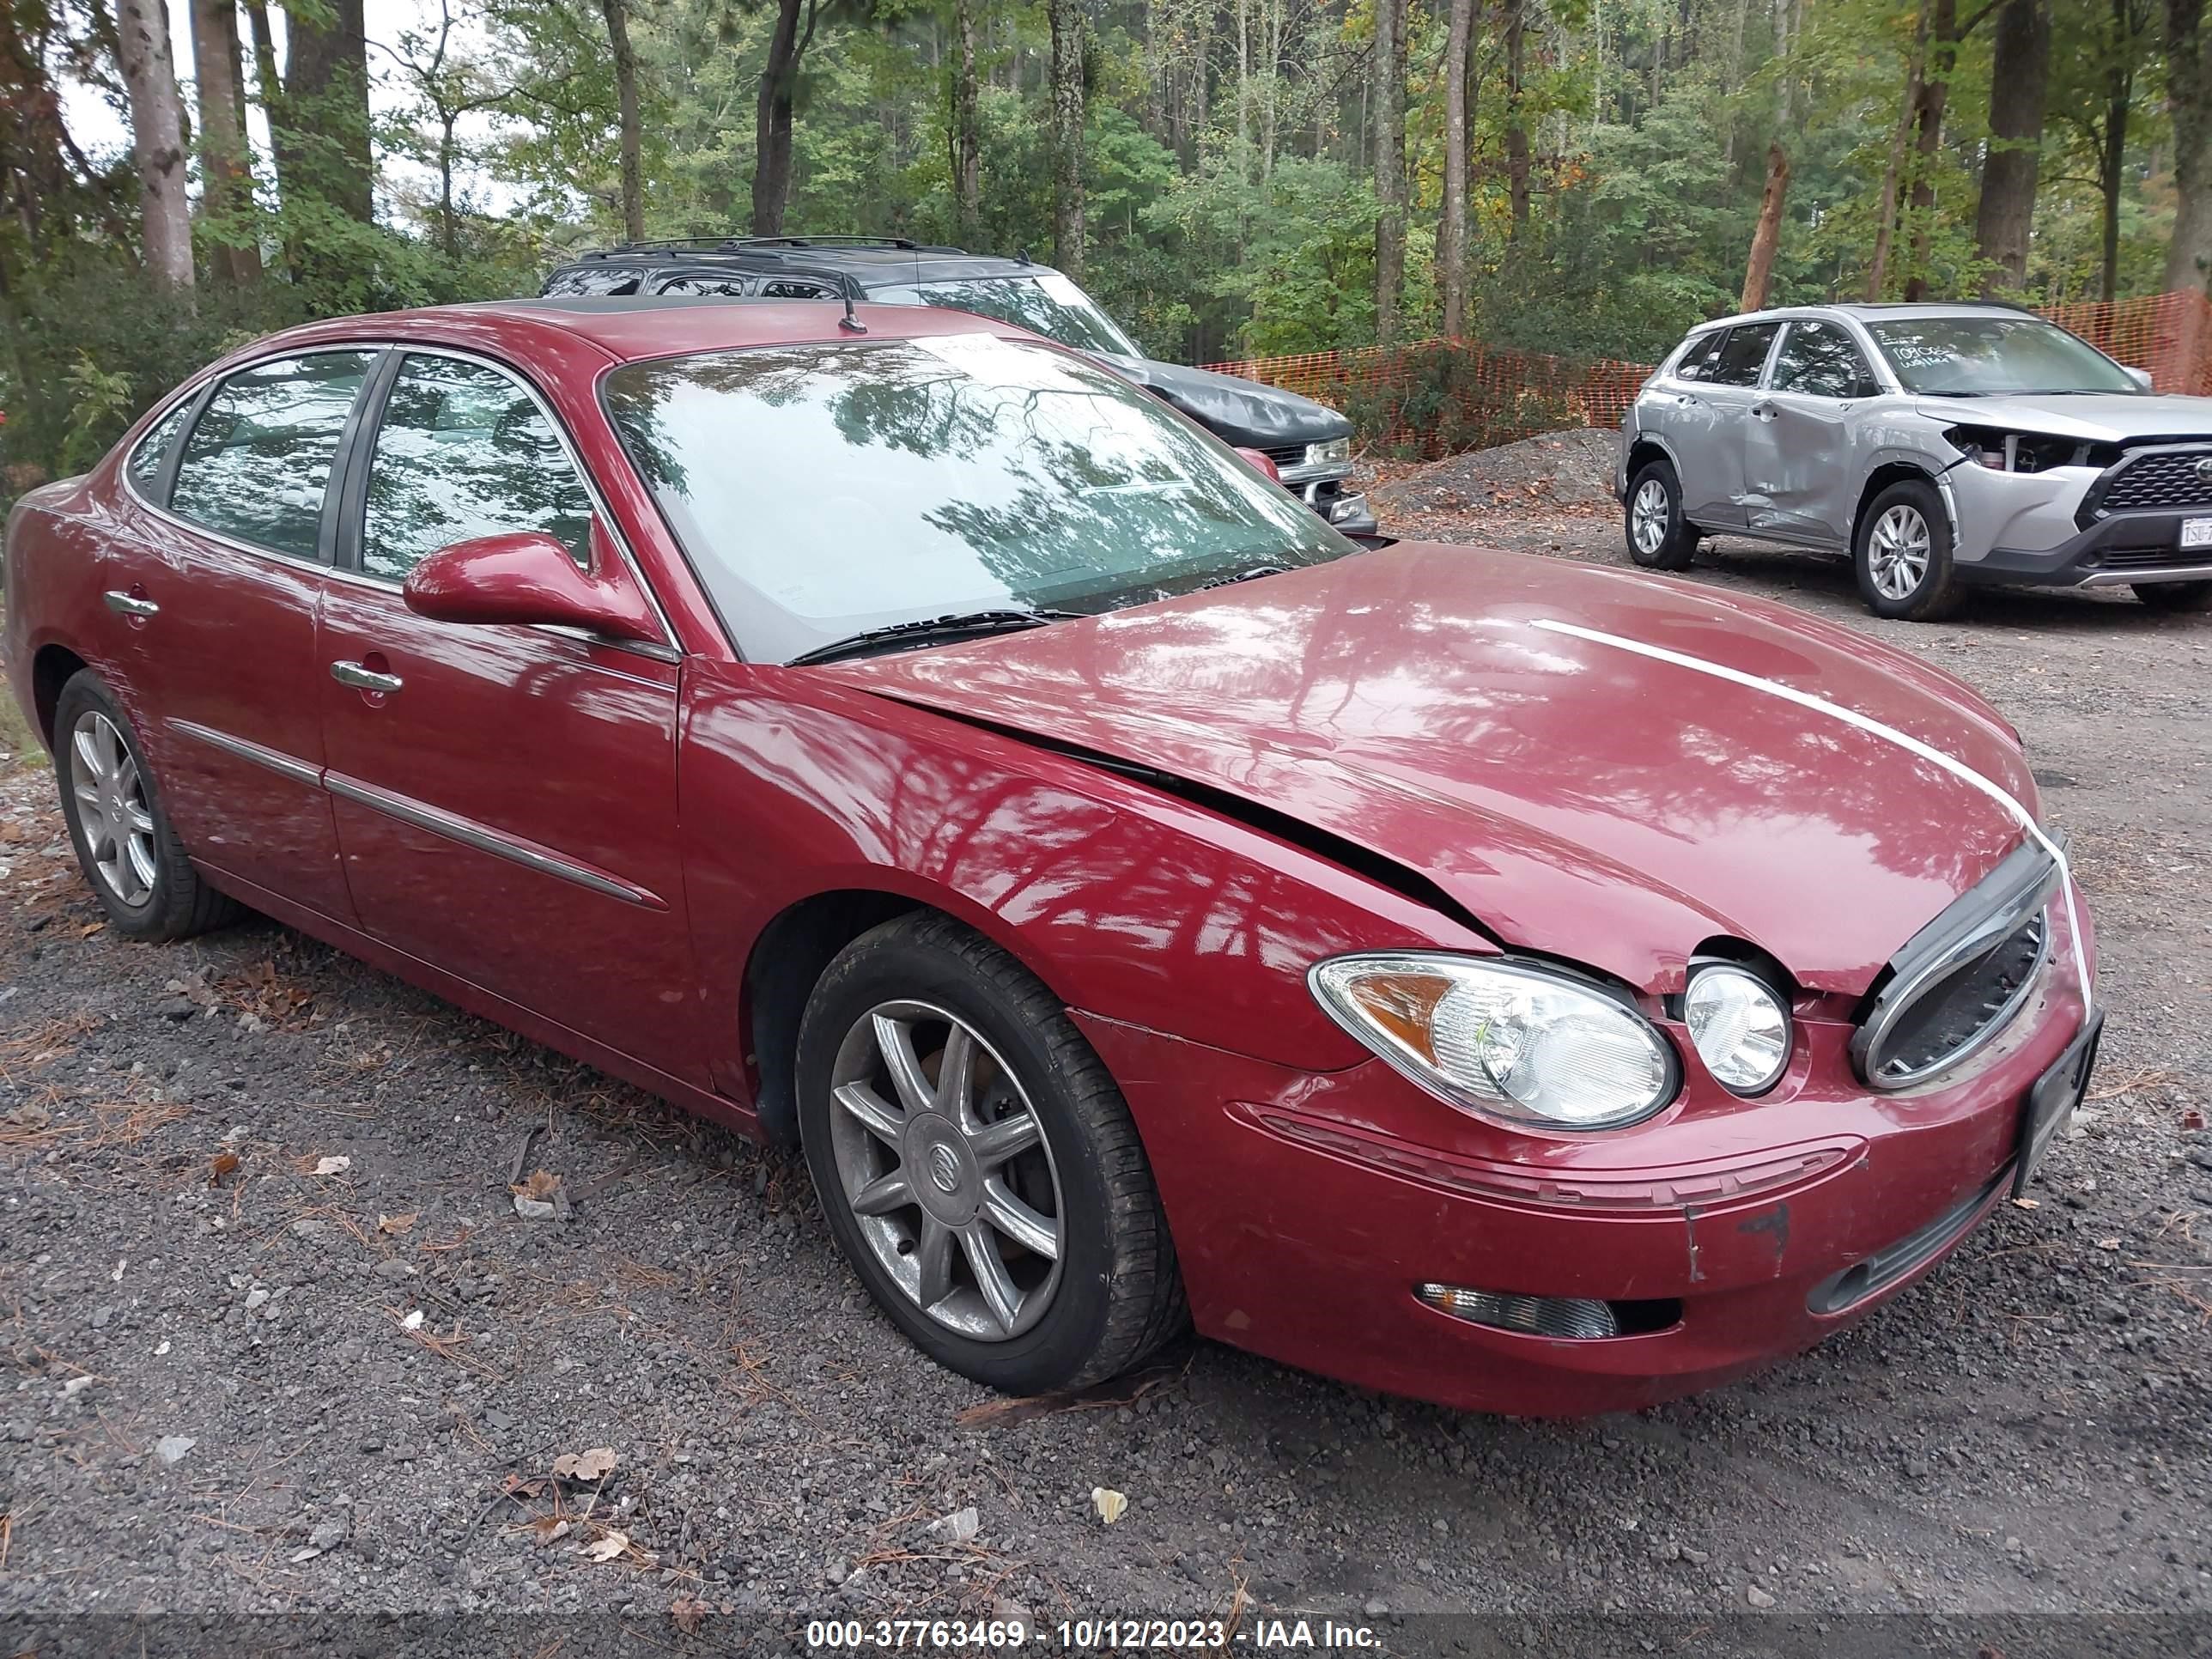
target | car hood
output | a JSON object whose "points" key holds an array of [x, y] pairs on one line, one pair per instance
{"points": [[2098, 417], [1578, 798], [1238, 411]]}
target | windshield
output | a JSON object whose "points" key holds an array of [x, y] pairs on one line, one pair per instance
{"points": [[823, 491], [1971, 356], [1047, 304]]}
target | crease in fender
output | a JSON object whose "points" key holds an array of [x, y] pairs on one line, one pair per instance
{"points": [[1890, 734]]}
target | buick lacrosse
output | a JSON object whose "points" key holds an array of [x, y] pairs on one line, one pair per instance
{"points": [[1528, 987]]}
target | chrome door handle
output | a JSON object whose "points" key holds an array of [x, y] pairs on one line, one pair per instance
{"points": [[364, 679], [129, 604]]}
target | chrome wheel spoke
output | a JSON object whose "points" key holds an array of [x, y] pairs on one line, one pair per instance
{"points": [[1036, 1233], [932, 1259], [955, 1073], [863, 1103], [999, 1292], [86, 744], [994, 1143], [139, 859], [883, 1194], [895, 1041]]}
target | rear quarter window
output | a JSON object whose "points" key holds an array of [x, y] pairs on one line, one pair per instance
{"points": [[153, 450]]}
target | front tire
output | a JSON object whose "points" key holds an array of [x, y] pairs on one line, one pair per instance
{"points": [[1659, 537], [2175, 596], [138, 869], [1903, 555], [978, 1165]]}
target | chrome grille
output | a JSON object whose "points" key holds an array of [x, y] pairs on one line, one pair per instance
{"points": [[2158, 480], [1960, 980], [1286, 454]]}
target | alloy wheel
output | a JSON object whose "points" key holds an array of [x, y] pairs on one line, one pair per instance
{"points": [[1898, 552], [112, 809], [1648, 517], [946, 1171]]}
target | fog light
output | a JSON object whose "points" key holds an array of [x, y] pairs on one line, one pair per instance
{"points": [[1536, 1315]]}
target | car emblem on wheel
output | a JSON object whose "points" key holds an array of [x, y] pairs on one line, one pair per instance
{"points": [[944, 1168]]}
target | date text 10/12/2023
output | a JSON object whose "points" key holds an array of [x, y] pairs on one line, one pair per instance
{"points": [[1085, 1634]]}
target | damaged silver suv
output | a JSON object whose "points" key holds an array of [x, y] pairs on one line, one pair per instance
{"points": [[1939, 445]]}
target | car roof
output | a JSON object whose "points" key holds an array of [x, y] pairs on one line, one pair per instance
{"points": [[1866, 311], [873, 261], [630, 328]]}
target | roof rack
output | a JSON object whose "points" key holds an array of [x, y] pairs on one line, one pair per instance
{"points": [[750, 244]]}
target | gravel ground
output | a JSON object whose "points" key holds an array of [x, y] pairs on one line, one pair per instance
{"points": [[275, 1339]]}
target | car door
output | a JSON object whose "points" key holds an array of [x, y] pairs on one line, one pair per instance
{"points": [[505, 795], [1799, 469], [219, 572], [1713, 407]]}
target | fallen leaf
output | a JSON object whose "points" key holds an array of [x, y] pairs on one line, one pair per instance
{"points": [[395, 1223], [541, 1186], [1108, 1504], [89, 931], [2108, 1243], [594, 1465], [2028, 1203], [607, 1549], [548, 1529], [225, 1163], [333, 1166]]}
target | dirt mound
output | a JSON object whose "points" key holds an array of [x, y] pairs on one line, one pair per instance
{"points": [[1571, 469]]}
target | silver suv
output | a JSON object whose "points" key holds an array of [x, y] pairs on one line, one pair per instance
{"points": [[1939, 445]]}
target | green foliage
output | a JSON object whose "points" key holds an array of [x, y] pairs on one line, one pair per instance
{"points": [[1440, 399]]}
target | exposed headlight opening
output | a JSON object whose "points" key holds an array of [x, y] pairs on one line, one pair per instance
{"points": [[1739, 1025], [1336, 449], [1524, 1043], [2003, 451]]}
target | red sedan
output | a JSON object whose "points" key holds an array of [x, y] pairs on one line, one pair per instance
{"points": [[1531, 987]]}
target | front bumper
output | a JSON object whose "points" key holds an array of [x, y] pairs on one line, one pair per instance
{"points": [[1326, 488], [2026, 528], [1305, 1208]]}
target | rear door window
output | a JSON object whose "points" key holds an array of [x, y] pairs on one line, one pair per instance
{"points": [[1744, 356], [257, 463]]}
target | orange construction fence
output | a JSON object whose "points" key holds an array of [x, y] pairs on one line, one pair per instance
{"points": [[1443, 396]]}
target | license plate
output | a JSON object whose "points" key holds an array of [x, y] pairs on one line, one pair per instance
{"points": [[2197, 532], [2053, 1098]]}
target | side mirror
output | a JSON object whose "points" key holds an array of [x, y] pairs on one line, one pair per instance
{"points": [[1260, 463], [2141, 377], [526, 577]]}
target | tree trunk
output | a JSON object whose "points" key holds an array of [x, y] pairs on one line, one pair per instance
{"points": [[227, 171], [773, 116], [1928, 123], [327, 105], [2112, 155], [2018, 68], [966, 130], [1451, 251], [34, 176], [1516, 124], [1388, 75], [632, 136], [1885, 229], [1758, 273], [157, 133], [2189, 100], [1067, 20]]}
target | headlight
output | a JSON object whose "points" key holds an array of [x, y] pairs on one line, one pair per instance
{"points": [[1504, 1039], [1336, 449], [2002, 451], [1740, 1027]]}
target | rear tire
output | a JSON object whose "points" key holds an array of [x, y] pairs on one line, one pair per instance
{"points": [[921, 1193], [1659, 537], [1903, 555], [2175, 596], [137, 868]]}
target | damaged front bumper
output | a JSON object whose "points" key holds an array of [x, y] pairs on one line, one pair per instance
{"points": [[2028, 528]]}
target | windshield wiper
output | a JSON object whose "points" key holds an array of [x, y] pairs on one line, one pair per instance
{"points": [[1253, 574], [933, 631]]}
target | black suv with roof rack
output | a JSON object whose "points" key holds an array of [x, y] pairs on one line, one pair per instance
{"points": [[1309, 443]]}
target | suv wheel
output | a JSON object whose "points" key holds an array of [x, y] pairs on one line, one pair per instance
{"points": [[1659, 537], [2175, 596], [1904, 554]]}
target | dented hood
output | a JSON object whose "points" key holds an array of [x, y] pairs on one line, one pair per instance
{"points": [[1579, 798]]}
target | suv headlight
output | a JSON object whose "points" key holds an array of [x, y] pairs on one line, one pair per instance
{"points": [[1336, 449], [1517, 1041], [1739, 1027]]}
